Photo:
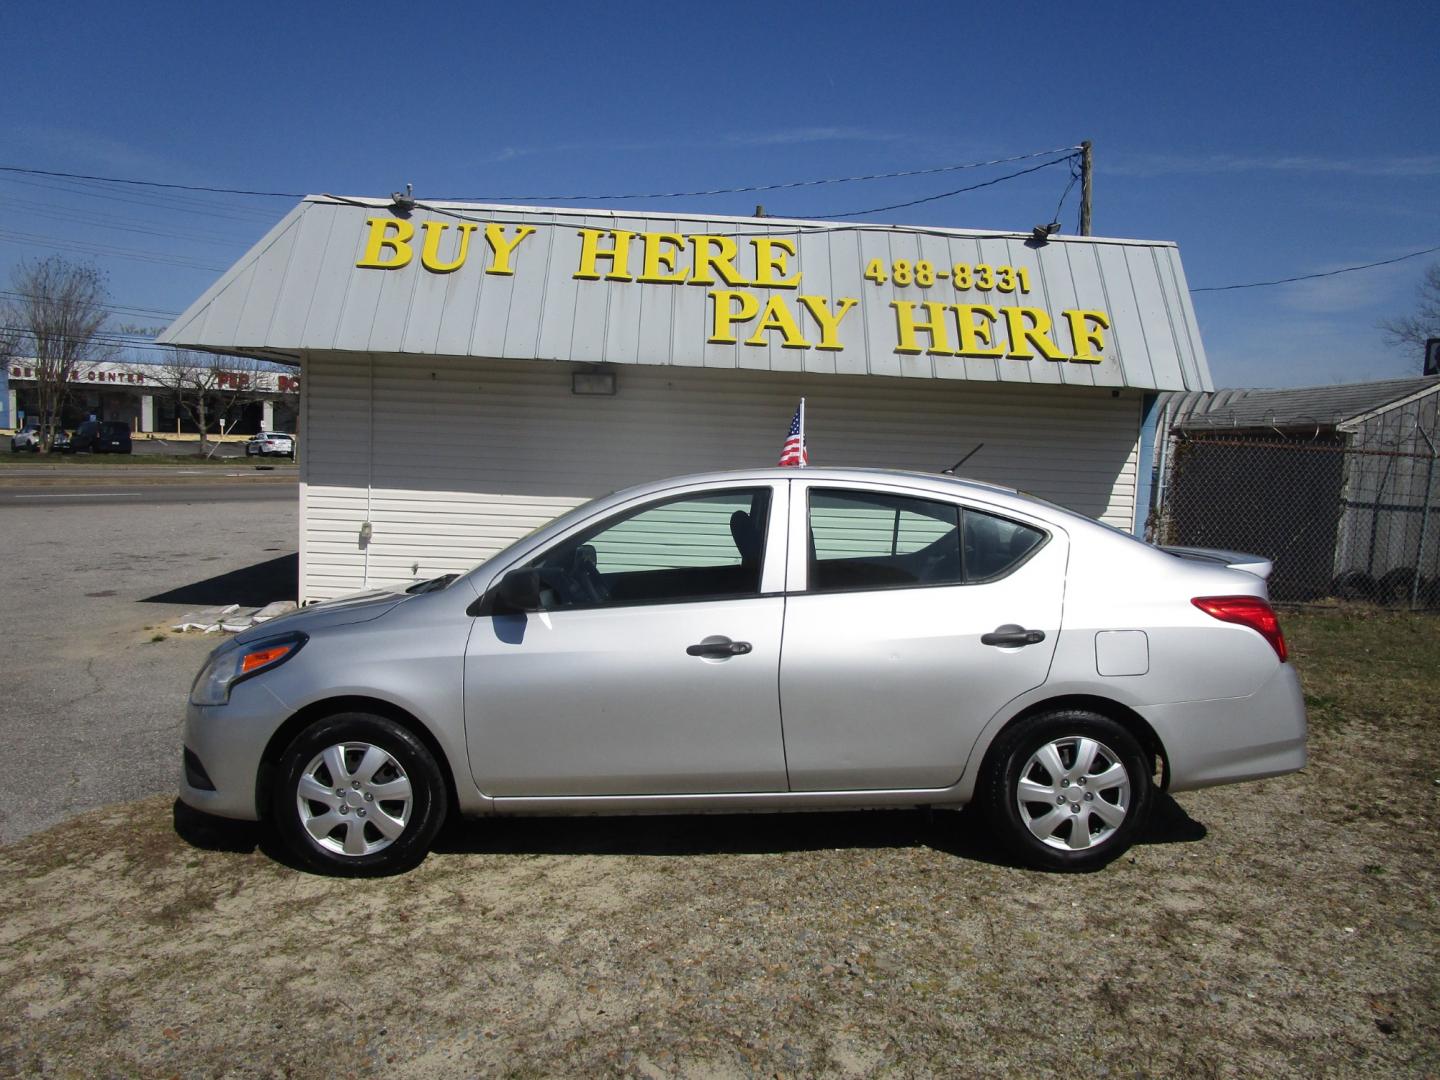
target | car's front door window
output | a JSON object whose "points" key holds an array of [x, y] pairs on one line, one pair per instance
{"points": [[704, 546]]}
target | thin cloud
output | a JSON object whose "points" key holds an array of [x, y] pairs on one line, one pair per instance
{"points": [[96, 152], [794, 136], [782, 137], [1148, 165]]}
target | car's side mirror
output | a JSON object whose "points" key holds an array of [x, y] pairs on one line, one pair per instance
{"points": [[519, 590]]}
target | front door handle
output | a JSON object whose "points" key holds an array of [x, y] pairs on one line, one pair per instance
{"points": [[719, 648], [1012, 635]]}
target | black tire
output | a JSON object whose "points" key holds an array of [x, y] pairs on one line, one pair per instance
{"points": [[1041, 832], [404, 841]]}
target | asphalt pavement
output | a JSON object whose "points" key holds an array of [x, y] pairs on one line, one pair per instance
{"points": [[92, 575], [140, 492]]}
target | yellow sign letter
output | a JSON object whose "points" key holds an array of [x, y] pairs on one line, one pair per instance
{"points": [[430, 255], [717, 252], [829, 324], [768, 263], [776, 316], [730, 308], [591, 252], [1088, 337], [392, 233], [501, 248], [658, 255], [976, 338], [1023, 336], [934, 326]]}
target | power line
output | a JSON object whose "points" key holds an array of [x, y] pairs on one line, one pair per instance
{"points": [[957, 191], [774, 187], [102, 221], [601, 197], [150, 200], [150, 183], [1312, 277], [129, 310], [84, 248]]}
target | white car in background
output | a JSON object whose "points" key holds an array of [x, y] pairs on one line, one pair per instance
{"points": [[27, 438], [268, 443]]}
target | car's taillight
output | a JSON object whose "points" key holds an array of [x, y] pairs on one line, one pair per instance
{"points": [[1248, 611]]}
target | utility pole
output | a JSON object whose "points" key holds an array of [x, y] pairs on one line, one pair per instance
{"points": [[1087, 168]]}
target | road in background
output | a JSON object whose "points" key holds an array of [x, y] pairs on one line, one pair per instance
{"points": [[139, 491], [90, 705]]}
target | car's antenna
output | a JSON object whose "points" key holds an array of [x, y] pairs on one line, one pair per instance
{"points": [[951, 470]]}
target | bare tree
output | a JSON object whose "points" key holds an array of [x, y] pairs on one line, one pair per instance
{"points": [[1413, 330], [57, 316], [207, 386]]}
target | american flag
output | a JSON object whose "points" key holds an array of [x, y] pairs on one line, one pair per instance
{"points": [[794, 452]]}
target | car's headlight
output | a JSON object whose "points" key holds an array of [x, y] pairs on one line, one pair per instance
{"points": [[232, 664]]}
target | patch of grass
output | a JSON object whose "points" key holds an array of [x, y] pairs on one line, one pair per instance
{"points": [[1374, 666], [124, 460], [156, 637]]}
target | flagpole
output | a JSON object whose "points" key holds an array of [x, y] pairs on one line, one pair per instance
{"points": [[804, 450]]}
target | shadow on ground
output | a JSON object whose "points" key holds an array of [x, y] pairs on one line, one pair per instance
{"points": [[961, 833], [250, 586]]}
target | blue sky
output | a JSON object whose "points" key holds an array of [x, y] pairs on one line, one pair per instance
{"points": [[1267, 140]]}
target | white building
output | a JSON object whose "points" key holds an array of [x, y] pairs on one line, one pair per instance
{"points": [[470, 371], [143, 396]]}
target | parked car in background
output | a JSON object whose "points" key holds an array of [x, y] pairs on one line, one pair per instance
{"points": [[61, 441], [27, 438], [944, 642], [101, 437], [270, 443]]}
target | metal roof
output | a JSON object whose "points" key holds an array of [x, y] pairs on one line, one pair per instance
{"points": [[345, 275], [1320, 406]]}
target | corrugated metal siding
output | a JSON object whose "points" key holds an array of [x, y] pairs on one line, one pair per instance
{"points": [[1321, 406], [450, 460], [299, 289], [1387, 491]]}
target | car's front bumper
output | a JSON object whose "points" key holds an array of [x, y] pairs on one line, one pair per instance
{"points": [[228, 742]]}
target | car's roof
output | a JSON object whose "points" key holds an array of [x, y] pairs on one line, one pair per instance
{"points": [[907, 477], [939, 483]]}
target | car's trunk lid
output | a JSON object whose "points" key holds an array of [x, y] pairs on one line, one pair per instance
{"points": [[1258, 565]]}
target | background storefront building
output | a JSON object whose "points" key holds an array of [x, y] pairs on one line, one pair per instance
{"points": [[470, 371], [144, 396]]}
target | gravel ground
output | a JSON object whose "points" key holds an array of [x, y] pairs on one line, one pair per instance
{"points": [[92, 682], [1282, 928]]}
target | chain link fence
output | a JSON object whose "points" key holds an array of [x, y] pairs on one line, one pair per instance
{"points": [[1340, 523]]}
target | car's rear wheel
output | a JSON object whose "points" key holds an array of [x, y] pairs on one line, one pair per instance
{"points": [[358, 796], [1067, 790]]}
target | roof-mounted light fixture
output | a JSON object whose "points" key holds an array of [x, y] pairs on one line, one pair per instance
{"points": [[403, 204], [1042, 233]]}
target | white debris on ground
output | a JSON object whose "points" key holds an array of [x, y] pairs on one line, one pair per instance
{"points": [[231, 618]]}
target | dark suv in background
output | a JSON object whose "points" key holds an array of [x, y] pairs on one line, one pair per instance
{"points": [[101, 437]]}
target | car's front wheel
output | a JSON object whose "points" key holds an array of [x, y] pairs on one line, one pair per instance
{"points": [[358, 795], [1067, 790]]}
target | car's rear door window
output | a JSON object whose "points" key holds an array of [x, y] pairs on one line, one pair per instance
{"points": [[994, 546], [868, 540], [873, 540]]}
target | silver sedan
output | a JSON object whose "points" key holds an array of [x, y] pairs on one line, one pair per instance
{"points": [[776, 639]]}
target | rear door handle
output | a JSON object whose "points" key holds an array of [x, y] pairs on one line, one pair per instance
{"points": [[1012, 635], [719, 648]]}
